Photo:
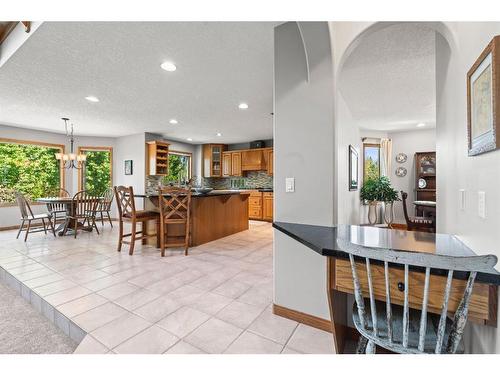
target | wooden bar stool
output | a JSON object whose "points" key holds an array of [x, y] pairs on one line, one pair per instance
{"points": [[127, 212], [175, 207]]}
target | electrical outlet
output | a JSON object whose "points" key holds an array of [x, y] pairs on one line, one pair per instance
{"points": [[290, 184], [462, 199], [481, 204]]}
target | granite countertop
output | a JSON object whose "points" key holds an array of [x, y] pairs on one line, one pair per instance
{"points": [[195, 194], [323, 240]]}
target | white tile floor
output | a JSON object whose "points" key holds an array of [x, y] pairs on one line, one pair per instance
{"points": [[216, 300]]}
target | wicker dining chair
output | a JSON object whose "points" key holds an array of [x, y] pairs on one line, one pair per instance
{"points": [[104, 206], [175, 208], [401, 329], [83, 207], [57, 210], [28, 216], [125, 201]]}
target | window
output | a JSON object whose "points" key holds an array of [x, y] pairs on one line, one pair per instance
{"points": [[179, 166], [97, 174], [371, 161], [29, 167]]}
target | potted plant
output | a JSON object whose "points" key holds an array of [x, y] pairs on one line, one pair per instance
{"points": [[379, 190]]}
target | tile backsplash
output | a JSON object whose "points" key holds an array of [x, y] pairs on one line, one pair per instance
{"points": [[252, 180]]}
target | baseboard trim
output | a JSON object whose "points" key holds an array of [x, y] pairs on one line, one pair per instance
{"points": [[300, 317]]}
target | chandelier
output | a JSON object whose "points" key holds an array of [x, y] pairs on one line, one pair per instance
{"points": [[71, 160]]}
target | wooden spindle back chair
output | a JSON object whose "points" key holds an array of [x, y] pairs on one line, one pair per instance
{"points": [[175, 208], [28, 216], [83, 206], [57, 210], [104, 207], [401, 329], [125, 202]]}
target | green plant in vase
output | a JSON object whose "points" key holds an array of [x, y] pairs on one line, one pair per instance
{"points": [[376, 190]]}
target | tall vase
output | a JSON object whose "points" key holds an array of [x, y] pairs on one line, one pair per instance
{"points": [[389, 213], [372, 212]]}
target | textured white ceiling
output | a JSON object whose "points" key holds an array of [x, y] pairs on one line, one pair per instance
{"points": [[388, 82], [219, 64]]}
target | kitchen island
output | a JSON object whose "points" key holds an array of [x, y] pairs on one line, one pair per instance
{"points": [[213, 215]]}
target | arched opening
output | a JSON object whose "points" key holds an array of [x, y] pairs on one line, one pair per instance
{"points": [[388, 106]]}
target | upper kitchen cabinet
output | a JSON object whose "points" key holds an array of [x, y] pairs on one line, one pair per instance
{"points": [[157, 154], [226, 164], [212, 160], [236, 164], [253, 160], [231, 163], [269, 156]]}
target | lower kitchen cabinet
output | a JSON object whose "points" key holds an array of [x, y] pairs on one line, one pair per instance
{"points": [[267, 206], [260, 206]]}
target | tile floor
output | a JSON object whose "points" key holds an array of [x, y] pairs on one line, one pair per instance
{"points": [[216, 300]]}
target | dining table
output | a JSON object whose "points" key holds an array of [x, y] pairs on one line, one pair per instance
{"points": [[69, 223]]}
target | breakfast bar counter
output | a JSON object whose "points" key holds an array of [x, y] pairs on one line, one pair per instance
{"points": [[214, 215]]}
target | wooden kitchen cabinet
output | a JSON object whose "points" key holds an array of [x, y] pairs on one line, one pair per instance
{"points": [[157, 156], [236, 164], [267, 206], [270, 162], [226, 164], [212, 160], [255, 205], [253, 160]]}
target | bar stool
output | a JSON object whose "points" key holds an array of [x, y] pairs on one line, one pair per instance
{"points": [[175, 207], [127, 213]]}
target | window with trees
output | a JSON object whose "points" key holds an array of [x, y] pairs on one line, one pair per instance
{"points": [[179, 166], [96, 176], [29, 167], [371, 161]]}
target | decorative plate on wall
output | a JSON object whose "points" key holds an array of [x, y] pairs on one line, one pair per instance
{"points": [[401, 171], [422, 183], [401, 157]]}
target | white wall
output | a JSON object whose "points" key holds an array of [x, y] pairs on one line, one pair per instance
{"points": [[303, 149], [409, 142]]}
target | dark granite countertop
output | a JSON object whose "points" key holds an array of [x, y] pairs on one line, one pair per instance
{"points": [[323, 240], [194, 194]]}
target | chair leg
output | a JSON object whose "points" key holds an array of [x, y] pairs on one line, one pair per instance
{"points": [[27, 230], [120, 236], [109, 218], [20, 229], [44, 226], [162, 237], [94, 224], [132, 238], [52, 227], [102, 219], [362, 342], [76, 226], [370, 347], [158, 234], [186, 240]]}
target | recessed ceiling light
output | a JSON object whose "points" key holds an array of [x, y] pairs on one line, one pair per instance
{"points": [[174, 121], [420, 125], [243, 106], [168, 66], [189, 139], [219, 134], [92, 99]]}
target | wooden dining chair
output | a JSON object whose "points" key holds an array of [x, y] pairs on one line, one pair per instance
{"points": [[402, 329], [83, 207], [28, 216], [127, 213], [175, 207], [417, 223], [57, 210], [104, 206]]}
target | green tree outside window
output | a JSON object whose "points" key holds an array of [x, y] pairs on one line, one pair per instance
{"points": [[30, 169], [178, 167], [97, 172]]}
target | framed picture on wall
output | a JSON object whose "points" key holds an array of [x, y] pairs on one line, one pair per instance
{"points": [[129, 168], [483, 95], [353, 169]]}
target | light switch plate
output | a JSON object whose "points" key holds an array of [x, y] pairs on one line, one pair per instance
{"points": [[481, 204], [461, 198], [290, 184]]}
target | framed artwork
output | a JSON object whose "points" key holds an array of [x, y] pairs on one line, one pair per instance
{"points": [[353, 169], [483, 94], [129, 168]]}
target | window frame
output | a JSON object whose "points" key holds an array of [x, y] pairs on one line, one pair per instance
{"points": [[184, 153], [95, 148], [62, 172], [372, 145]]}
